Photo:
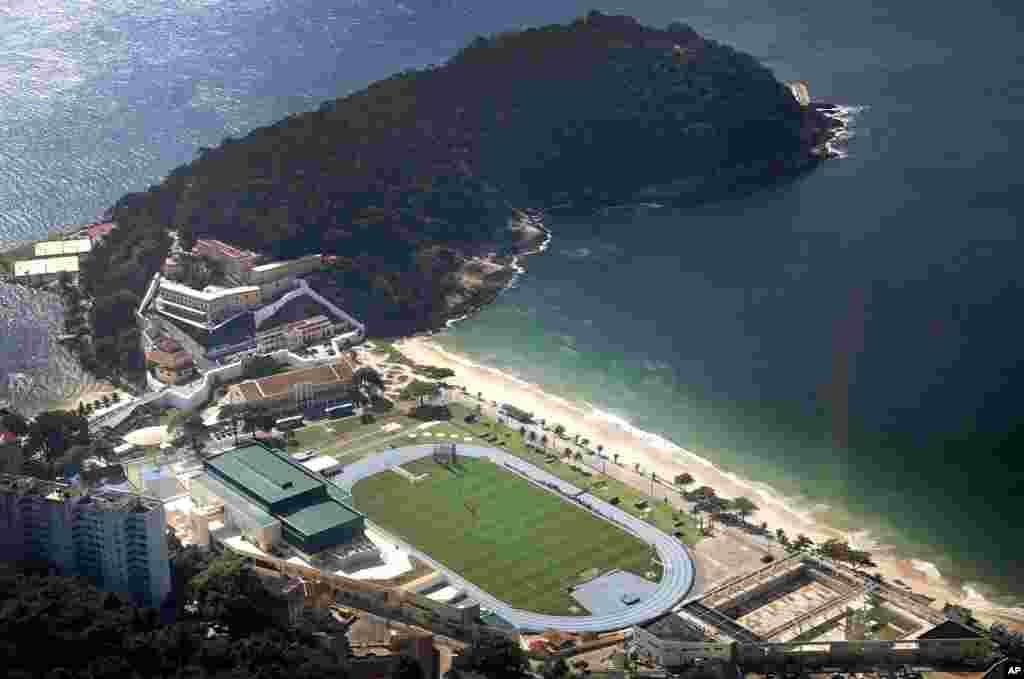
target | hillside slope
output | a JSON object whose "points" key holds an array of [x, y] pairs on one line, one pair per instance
{"points": [[410, 179]]}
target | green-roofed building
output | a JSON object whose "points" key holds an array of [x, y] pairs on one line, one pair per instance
{"points": [[310, 510]]}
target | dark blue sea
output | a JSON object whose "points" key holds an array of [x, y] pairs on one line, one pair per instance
{"points": [[853, 337]]}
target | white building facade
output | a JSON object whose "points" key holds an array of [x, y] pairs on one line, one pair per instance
{"points": [[116, 539]]}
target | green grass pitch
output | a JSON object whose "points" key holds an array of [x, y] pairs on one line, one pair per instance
{"points": [[522, 544]]}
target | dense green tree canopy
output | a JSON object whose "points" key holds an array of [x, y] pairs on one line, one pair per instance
{"points": [[63, 627], [407, 177]]}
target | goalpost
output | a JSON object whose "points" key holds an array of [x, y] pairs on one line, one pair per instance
{"points": [[445, 454]]}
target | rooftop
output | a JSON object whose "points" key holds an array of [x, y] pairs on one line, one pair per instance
{"points": [[47, 265], [63, 247], [671, 626], [319, 516], [320, 463], [209, 294], [300, 308], [220, 248], [168, 345], [270, 266], [950, 630], [264, 473], [100, 230], [103, 498], [276, 386]]}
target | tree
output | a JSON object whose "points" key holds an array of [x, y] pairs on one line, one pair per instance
{"points": [[600, 448], [780, 535], [192, 429], [13, 422], [703, 494], [356, 396], [684, 480], [802, 543], [368, 377], [744, 507], [522, 431], [615, 457], [53, 432], [555, 668], [559, 430], [497, 658], [407, 668], [174, 545]]}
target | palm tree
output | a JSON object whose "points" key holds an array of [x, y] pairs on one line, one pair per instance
{"points": [[368, 377], [744, 507], [780, 535], [684, 480], [802, 543], [559, 429], [522, 431], [355, 394], [193, 428], [616, 457], [600, 449]]}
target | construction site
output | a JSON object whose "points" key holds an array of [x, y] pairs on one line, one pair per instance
{"points": [[797, 600]]}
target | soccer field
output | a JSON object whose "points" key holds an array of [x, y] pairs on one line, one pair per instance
{"points": [[520, 543]]}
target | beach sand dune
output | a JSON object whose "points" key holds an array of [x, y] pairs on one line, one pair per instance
{"points": [[667, 461]]}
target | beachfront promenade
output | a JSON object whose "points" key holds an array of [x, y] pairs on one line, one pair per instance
{"points": [[678, 569]]}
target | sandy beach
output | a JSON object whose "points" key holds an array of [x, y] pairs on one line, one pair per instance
{"points": [[666, 460]]}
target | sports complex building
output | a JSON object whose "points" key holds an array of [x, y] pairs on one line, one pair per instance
{"points": [[269, 498]]}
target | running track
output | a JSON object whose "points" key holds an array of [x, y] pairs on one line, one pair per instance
{"points": [[678, 571]]}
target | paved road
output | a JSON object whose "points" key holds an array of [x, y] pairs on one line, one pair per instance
{"points": [[678, 572]]}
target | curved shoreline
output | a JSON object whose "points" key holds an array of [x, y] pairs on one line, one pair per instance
{"points": [[656, 453], [534, 220], [678, 568]]}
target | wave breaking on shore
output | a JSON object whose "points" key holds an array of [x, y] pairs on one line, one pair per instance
{"points": [[794, 514], [837, 143]]}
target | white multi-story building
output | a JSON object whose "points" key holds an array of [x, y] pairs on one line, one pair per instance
{"points": [[299, 333], [204, 308], [116, 539]]}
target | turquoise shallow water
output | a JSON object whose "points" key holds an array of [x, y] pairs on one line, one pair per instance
{"points": [[852, 336], [789, 360]]}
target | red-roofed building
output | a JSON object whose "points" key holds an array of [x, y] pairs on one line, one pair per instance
{"points": [[97, 232], [170, 266], [237, 263], [172, 364]]}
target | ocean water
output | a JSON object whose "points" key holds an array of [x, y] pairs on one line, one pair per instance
{"points": [[851, 337]]}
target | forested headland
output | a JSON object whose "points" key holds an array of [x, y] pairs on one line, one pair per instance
{"points": [[410, 180]]}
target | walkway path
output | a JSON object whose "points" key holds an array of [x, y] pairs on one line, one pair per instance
{"points": [[678, 572]]}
